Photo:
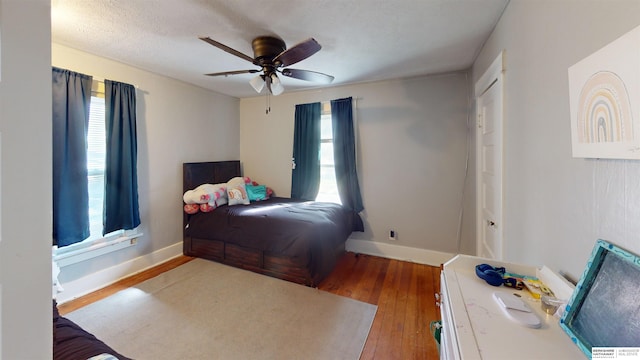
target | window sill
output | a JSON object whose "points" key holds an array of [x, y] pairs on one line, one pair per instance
{"points": [[65, 257]]}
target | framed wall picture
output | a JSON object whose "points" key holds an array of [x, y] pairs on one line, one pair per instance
{"points": [[604, 99]]}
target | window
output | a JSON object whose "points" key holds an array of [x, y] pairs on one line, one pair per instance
{"points": [[328, 191], [95, 165], [96, 154], [91, 141]]}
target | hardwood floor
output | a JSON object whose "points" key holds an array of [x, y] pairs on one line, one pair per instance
{"points": [[403, 291]]}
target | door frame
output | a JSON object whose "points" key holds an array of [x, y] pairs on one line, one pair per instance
{"points": [[493, 76]]}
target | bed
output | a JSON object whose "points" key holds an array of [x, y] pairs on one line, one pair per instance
{"points": [[294, 240], [71, 342]]}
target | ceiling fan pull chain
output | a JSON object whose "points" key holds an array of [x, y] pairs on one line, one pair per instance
{"points": [[268, 106]]}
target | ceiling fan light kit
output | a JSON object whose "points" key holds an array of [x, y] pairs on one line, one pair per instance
{"points": [[270, 53], [276, 86], [257, 83]]}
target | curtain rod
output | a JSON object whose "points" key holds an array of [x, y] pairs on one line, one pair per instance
{"points": [[353, 98], [102, 81]]}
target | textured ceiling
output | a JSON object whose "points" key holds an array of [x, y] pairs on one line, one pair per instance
{"points": [[362, 40]]}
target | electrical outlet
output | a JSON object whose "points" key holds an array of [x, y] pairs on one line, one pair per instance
{"points": [[393, 235]]}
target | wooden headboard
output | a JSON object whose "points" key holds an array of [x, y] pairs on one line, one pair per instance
{"points": [[212, 172]]}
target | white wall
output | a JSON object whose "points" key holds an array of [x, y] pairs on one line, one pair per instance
{"points": [[411, 153], [177, 123], [556, 206], [25, 191]]}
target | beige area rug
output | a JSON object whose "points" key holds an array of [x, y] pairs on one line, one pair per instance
{"points": [[206, 310]]}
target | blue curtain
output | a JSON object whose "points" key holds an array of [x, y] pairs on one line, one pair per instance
{"points": [[71, 97], [344, 154], [121, 180], [305, 178]]}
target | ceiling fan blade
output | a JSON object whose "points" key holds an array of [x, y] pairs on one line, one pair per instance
{"points": [[226, 48], [308, 75], [297, 53], [236, 72]]}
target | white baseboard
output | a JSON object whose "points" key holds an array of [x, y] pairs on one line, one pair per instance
{"points": [[105, 277], [398, 252], [98, 280]]}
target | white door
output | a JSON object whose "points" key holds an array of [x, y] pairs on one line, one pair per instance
{"points": [[489, 91]]}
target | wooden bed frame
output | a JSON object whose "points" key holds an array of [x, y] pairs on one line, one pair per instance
{"points": [[275, 265]]}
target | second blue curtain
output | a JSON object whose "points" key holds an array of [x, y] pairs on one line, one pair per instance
{"points": [[344, 155], [121, 181]]}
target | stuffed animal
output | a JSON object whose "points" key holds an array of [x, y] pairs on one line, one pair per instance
{"points": [[269, 190], [191, 208], [205, 198]]}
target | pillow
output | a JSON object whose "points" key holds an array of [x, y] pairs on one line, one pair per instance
{"points": [[237, 191], [256, 192]]}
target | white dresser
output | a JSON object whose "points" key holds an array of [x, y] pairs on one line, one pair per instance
{"points": [[475, 327]]}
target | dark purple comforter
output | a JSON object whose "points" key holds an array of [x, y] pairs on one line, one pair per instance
{"points": [[308, 230]]}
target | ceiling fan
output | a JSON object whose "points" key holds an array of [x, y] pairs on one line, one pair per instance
{"points": [[272, 56]]}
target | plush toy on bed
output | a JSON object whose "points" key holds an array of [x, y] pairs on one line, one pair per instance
{"points": [[242, 190], [258, 192], [205, 198]]}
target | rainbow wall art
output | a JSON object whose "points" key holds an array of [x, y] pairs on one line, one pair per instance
{"points": [[604, 91]]}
